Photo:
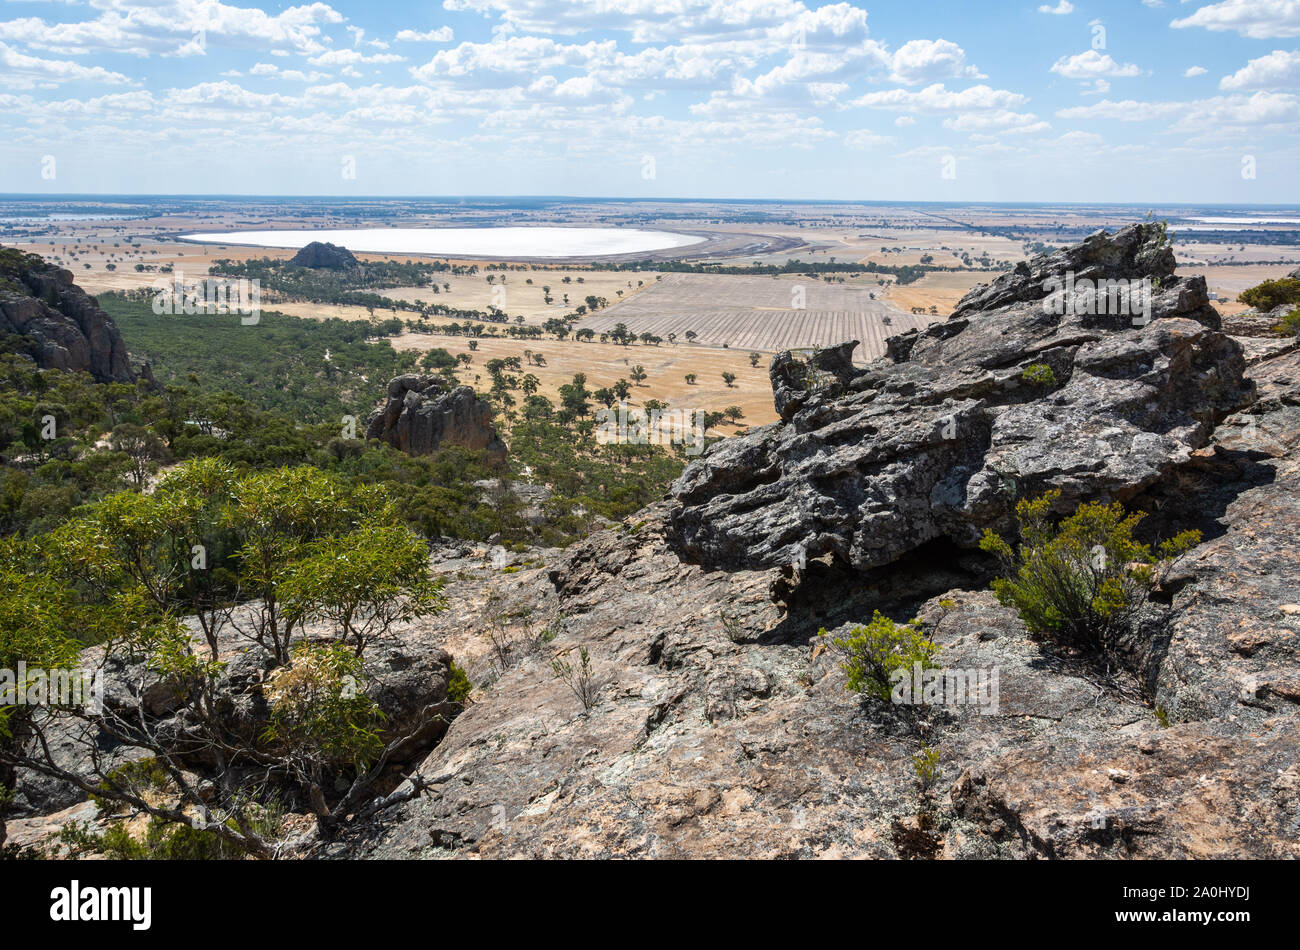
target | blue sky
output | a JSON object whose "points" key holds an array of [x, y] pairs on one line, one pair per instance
{"points": [[1121, 100]]}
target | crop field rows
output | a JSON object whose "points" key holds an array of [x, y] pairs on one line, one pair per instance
{"points": [[756, 313]]}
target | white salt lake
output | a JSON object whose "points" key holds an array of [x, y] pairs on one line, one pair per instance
{"points": [[466, 242]]}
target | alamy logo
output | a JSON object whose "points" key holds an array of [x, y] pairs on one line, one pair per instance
{"points": [[68, 689], [624, 426], [915, 686], [210, 297], [1123, 297], [75, 903]]}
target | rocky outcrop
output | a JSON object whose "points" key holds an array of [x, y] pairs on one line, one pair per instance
{"points": [[424, 413], [322, 255], [944, 435], [724, 730], [66, 328]]}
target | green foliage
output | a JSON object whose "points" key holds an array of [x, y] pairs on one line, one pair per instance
{"points": [[1272, 294], [141, 777], [1039, 374], [1290, 323], [162, 841], [873, 652], [458, 684], [925, 765], [39, 621], [278, 364], [1084, 580], [362, 582], [319, 709]]}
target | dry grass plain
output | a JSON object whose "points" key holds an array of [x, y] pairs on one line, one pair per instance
{"points": [[604, 364], [748, 313], [764, 314]]}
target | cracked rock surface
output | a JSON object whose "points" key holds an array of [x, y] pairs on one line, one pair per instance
{"points": [[724, 730]]}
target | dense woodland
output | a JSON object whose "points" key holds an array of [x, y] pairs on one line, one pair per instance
{"points": [[279, 394]]}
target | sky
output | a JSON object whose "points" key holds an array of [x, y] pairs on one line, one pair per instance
{"points": [[1071, 100]]}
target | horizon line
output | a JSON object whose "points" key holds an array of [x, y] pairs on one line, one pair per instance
{"points": [[634, 199]]}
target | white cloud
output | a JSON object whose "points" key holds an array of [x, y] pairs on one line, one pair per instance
{"points": [[172, 26], [1129, 110], [927, 60], [442, 34], [273, 71], [1256, 19], [1279, 69], [513, 54], [1001, 120], [20, 71], [1193, 71], [351, 57], [1061, 9], [903, 121], [1263, 109], [937, 99], [650, 21], [1091, 65], [866, 139]]}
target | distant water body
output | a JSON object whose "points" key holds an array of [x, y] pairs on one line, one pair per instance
{"points": [[467, 242]]}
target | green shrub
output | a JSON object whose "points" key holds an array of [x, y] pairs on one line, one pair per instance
{"points": [[925, 764], [1084, 580], [458, 684], [319, 709], [1039, 374], [1272, 294], [1290, 323], [872, 653], [162, 841]]}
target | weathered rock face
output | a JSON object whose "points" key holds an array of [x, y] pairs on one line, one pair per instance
{"points": [[323, 255], [424, 413], [723, 731], [944, 435], [68, 330]]}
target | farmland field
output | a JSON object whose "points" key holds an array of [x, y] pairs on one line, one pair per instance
{"points": [[761, 313]]}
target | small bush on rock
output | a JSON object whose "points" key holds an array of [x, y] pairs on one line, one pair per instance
{"points": [[1290, 323], [1082, 581], [873, 652], [1039, 374]]}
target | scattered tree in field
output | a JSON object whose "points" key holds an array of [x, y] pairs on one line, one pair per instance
{"points": [[690, 379], [754, 358], [638, 374], [729, 378]]}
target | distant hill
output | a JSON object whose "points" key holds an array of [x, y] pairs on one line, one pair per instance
{"points": [[320, 254]]}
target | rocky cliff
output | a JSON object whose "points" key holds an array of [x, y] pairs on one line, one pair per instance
{"points": [[723, 729], [942, 438], [66, 328], [423, 413]]}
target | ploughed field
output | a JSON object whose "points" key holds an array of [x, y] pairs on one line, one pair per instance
{"points": [[761, 313]]}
